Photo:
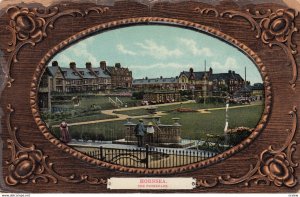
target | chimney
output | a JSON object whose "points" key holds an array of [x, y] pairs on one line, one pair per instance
{"points": [[210, 71], [73, 65], [117, 65], [54, 63], [146, 78], [229, 71], [103, 65], [161, 77], [233, 72], [88, 65]]}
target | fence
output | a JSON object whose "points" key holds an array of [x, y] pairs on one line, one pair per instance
{"points": [[150, 157]]}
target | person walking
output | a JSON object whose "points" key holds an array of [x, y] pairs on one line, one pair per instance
{"points": [[64, 132], [140, 132]]}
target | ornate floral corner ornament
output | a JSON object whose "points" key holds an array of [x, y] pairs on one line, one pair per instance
{"points": [[273, 28], [30, 26], [29, 164], [273, 166]]}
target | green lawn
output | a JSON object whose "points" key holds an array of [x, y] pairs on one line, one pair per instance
{"points": [[195, 125], [89, 109], [86, 102]]}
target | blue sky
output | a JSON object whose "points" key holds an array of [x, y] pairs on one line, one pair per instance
{"points": [[156, 50]]}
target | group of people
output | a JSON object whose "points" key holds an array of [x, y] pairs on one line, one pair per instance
{"points": [[140, 131]]}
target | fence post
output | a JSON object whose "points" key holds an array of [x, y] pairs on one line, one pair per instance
{"points": [[101, 153], [147, 155]]}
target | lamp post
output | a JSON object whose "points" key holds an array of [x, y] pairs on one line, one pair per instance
{"points": [[226, 117]]}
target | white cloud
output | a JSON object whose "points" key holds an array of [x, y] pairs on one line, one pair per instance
{"points": [[150, 47], [191, 46], [79, 50], [230, 63], [159, 69], [121, 48]]}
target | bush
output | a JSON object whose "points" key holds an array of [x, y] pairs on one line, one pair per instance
{"points": [[76, 135], [236, 137], [185, 92], [85, 136], [100, 137], [138, 95]]}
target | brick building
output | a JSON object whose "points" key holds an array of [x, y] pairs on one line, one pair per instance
{"points": [[120, 77]]}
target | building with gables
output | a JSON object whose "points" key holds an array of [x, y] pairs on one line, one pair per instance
{"points": [[73, 79], [208, 83], [121, 77]]}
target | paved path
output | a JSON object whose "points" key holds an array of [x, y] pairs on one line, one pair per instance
{"points": [[112, 112]]}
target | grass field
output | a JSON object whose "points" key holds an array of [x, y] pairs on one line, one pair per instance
{"points": [[99, 101], [89, 109], [195, 125]]}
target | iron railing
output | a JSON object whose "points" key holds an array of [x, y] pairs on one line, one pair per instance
{"points": [[150, 157]]}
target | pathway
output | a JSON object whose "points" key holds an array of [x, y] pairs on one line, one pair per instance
{"points": [[112, 112]]}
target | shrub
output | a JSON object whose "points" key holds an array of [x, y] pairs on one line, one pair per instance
{"points": [[75, 135], [100, 137], [85, 136], [235, 138], [138, 95]]}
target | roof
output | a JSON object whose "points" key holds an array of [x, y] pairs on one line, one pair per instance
{"points": [[154, 81], [52, 70], [86, 73], [257, 86], [100, 73], [226, 76], [110, 69], [198, 75], [70, 73]]}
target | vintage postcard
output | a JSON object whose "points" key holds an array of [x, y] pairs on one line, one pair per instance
{"points": [[150, 96]]}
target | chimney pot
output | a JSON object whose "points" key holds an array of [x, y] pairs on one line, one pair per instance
{"points": [[54, 63], [88, 65], [103, 65], [73, 65], [117, 65]]}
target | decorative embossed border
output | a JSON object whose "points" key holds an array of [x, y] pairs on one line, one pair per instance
{"points": [[149, 20], [29, 163], [273, 28]]}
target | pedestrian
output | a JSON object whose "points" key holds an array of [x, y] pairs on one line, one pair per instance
{"points": [[140, 132], [150, 132], [64, 132]]}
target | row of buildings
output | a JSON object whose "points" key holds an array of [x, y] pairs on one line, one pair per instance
{"points": [[72, 79], [104, 78], [205, 82]]}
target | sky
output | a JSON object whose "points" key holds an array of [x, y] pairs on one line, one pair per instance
{"points": [[156, 50]]}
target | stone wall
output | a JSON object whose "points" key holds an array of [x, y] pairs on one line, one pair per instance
{"points": [[162, 134]]}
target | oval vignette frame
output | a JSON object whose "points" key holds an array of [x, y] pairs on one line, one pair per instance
{"points": [[158, 21]]}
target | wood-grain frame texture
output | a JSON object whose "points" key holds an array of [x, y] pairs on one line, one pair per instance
{"points": [[35, 161]]}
